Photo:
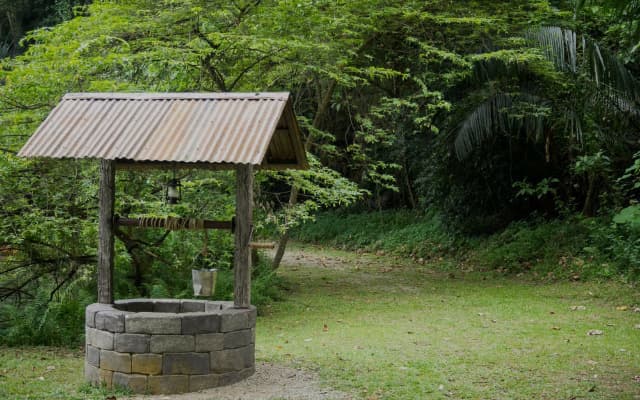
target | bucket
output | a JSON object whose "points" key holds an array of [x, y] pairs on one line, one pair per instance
{"points": [[204, 281]]}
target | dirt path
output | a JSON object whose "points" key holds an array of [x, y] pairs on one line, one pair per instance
{"points": [[270, 382], [273, 381]]}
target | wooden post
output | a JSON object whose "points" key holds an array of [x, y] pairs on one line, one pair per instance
{"points": [[106, 250], [244, 226]]}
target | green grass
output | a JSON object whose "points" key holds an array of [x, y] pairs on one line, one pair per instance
{"points": [[30, 373], [397, 330], [400, 330]]}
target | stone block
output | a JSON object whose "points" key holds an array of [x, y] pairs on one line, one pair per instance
{"points": [[91, 373], [213, 306], [158, 323], [148, 364], [112, 321], [192, 306], [209, 342], [235, 339], [93, 356], [106, 378], [172, 343], [167, 305], [185, 363], [114, 361], [200, 322], [100, 339], [135, 305], [132, 343], [233, 377], [201, 382], [168, 384], [253, 335], [135, 383], [90, 313], [253, 315], [232, 359], [234, 320]]}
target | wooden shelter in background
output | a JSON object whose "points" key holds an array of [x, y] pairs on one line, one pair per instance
{"points": [[240, 131]]}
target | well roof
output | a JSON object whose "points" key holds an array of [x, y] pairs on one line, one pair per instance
{"points": [[210, 130]]}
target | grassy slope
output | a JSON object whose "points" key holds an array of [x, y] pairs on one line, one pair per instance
{"points": [[402, 331]]}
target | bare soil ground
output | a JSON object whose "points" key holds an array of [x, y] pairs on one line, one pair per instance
{"points": [[270, 382]]}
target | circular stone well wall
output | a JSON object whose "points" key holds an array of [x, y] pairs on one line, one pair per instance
{"points": [[164, 346]]}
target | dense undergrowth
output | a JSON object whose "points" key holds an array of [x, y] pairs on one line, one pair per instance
{"points": [[60, 321], [571, 248]]}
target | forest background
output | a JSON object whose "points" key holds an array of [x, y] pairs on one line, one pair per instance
{"points": [[501, 136]]}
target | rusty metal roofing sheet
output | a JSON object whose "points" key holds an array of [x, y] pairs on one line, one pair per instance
{"points": [[219, 128]]}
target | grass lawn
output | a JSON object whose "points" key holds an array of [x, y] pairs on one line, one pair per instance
{"points": [[385, 328]]}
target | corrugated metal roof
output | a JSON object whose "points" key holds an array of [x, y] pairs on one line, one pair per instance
{"points": [[193, 128]]}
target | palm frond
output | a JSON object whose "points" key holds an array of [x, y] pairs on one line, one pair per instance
{"points": [[560, 46], [497, 115]]}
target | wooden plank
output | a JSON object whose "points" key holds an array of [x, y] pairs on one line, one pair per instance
{"points": [[244, 226], [184, 223], [106, 249], [262, 245], [153, 165], [296, 136]]}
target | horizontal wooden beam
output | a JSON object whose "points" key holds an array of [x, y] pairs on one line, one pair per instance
{"points": [[176, 223], [159, 165], [262, 245]]}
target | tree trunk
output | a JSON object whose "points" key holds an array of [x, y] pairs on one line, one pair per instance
{"points": [[587, 210], [323, 106]]}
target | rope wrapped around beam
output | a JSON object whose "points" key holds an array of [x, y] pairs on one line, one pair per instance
{"points": [[174, 223]]}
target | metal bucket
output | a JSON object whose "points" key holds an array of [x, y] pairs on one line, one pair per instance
{"points": [[204, 281]]}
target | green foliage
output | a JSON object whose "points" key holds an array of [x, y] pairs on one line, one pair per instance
{"points": [[266, 285], [539, 190], [573, 248], [401, 232], [44, 322]]}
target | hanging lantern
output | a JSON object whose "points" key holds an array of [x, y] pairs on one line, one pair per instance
{"points": [[174, 191]]}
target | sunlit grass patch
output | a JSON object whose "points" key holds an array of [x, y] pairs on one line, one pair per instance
{"points": [[411, 332]]}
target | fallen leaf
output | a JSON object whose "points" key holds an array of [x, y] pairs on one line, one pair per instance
{"points": [[555, 328], [577, 308], [595, 332], [591, 362], [637, 326], [636, 309], [308, 340], [50, 368], [325, 328], [622, 308], [637, 378]]}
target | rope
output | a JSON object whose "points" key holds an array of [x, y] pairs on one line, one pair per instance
{"points": [[171, 223]]}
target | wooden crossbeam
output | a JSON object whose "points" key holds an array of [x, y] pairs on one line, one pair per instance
{"points": [[182, 223]]}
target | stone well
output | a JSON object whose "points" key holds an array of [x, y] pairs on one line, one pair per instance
{"points": [[164, 346]]}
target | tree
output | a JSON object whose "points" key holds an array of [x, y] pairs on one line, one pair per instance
{"points": [[561, 115]]}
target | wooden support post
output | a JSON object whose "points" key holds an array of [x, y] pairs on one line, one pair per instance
{"points": [[106, 250], [244, 226]]}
